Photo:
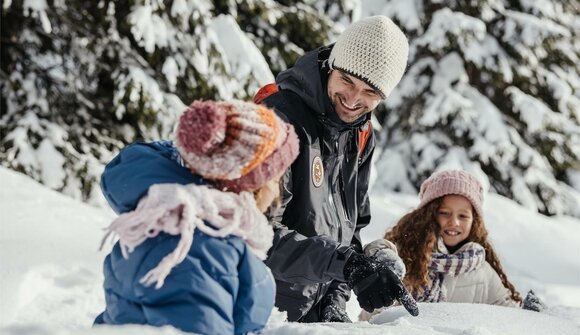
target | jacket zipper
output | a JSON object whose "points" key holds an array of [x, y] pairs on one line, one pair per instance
{"points": [[331, 198]]}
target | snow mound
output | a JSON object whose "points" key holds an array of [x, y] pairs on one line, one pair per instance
{"points": [[473, 319], [49, 244]]}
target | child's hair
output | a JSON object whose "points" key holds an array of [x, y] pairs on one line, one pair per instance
{"points": [[415, 236], [276, 202]]}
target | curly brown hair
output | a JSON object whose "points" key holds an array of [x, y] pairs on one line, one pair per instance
{"points": [[415, 236]]}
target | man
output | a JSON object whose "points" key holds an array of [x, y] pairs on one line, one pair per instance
{"points": [[328, 96], [317, 255]]}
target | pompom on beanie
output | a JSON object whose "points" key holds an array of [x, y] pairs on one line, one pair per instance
{"points": [[239, 145], [452, 182], [374, 50]]}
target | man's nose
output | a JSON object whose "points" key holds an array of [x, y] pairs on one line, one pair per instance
{"points": [[352, 97]]}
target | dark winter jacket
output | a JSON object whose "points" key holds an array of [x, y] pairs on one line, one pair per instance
{"points": [[317, 229], [220, 288]]}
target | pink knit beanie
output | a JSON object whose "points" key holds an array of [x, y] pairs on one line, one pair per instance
{"points": [[452, 182], [239, 145]]}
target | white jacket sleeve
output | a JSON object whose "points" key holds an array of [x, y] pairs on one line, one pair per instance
{"points": [[497, 294]]}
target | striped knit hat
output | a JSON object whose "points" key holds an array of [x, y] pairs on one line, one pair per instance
{"points": [[452, 182], [374, 50], [239, 145]]}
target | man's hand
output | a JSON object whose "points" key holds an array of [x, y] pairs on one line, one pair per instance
{"points": [[376, 285]]}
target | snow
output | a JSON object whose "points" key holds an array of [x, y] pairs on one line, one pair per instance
{"points": [[171, 72], [134, 84], [448, 318], [448, 25], [488, 54], [51, 165], [533, 31], [50, 279], [574, 177], [405, 12], [244, 58], [148, 28], [38, 9], [48, 252]]}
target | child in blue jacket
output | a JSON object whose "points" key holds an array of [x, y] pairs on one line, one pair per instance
{"points": [[189, 255]]}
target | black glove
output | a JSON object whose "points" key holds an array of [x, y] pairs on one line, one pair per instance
{"points": [[375, 285], [333, 313], [533, 303]]}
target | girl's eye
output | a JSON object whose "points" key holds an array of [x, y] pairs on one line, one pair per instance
{"points": [[444, 213]]}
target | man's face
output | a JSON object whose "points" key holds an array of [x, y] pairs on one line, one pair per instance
{"points": [[351, 97]]}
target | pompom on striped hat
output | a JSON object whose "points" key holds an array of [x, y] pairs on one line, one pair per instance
{"points": [[452, 182], [239, 145]]}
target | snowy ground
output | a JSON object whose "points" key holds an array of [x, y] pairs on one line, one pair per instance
{"points": [[50, 270]]}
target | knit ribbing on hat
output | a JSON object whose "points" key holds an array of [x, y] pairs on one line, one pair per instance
{"points": [[273, 166], [373, 49], [226, 140], [452, 182]]}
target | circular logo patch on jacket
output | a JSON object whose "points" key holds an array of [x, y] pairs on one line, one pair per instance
{"points": [[317, 171]]}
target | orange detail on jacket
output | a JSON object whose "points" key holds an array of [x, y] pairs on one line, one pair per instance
{"points": [[363, 134]]}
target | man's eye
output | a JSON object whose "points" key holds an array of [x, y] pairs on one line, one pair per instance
{"points": [[372, 94]]}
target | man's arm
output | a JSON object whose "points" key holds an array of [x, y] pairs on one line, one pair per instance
{"points": [[296, 258], [129, 175]]}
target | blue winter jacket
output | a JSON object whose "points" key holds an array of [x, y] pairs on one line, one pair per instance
{"points": [[220, 288]]}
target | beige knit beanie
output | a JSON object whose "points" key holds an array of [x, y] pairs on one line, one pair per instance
{"points": [[374, 50]]}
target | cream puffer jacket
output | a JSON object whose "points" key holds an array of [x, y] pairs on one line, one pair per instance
{"points": [[481, 286]]}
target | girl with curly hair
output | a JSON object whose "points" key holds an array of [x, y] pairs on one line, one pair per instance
{"points": [[444, 246]]}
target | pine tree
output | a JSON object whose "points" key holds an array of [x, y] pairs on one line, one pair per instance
{"points": [[492, 87], [81, 79]]}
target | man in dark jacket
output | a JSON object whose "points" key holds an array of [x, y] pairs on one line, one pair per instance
{"points": [[328, 96]]}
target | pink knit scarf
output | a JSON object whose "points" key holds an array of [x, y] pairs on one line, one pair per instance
{"points": [[179, 210]]}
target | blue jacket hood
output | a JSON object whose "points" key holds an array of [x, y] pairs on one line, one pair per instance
{"points": [[125, 180]]}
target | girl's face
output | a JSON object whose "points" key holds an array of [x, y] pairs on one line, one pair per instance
{"points": [[267, 194], [455, 217]]}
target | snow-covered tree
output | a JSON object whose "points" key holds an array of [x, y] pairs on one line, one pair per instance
{"points": [[493, 87], [80, 79]]}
